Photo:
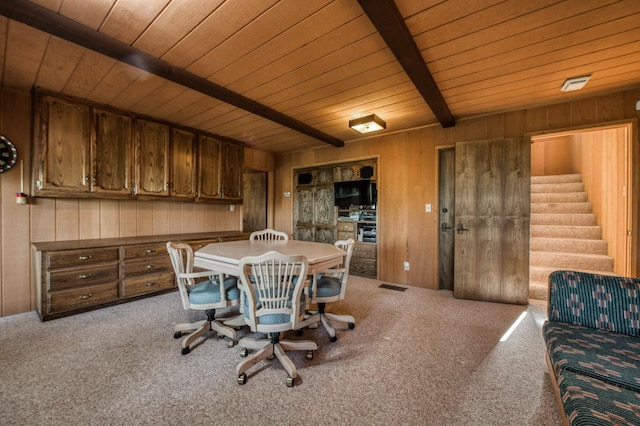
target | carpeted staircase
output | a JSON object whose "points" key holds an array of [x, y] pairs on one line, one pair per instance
{"points": [[564, 232]]}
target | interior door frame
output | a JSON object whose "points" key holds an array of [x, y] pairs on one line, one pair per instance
{"points": [[437, 204]]}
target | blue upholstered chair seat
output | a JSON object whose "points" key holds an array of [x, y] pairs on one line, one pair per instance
{"points": [[273, 318], [207, 292], [328, 287]]}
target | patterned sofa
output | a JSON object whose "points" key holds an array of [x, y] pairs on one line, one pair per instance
{"points": [[592, 337]]}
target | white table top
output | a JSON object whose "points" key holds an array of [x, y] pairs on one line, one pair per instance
{"points": [[225, 257]]}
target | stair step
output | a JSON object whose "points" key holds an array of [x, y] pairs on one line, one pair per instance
{"points": [[569, 245], [561, 207], [562, 197], [556, 178], [557, 187], [552, 231], [584, 219], [598, 262], [539, 290], [541, 273]]}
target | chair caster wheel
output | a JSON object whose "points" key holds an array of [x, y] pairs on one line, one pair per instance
{"points": [[244, 352], [186, 350], [242, 379], [231, 343], [177, 334], [290, 382], [271, 357], [351, 326], [333, 338], [309, 355]]}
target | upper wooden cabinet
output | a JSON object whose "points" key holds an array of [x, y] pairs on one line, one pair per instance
{"points": [[183, 164], [89, 151], [62, 148], [152, 158], [221, 165], [112, 159]]}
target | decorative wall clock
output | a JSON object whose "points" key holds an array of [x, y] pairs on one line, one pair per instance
{"points": [[8, 154]]}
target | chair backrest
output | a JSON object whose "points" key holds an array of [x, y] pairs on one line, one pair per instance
{"points": [[273, 285], [342, 271], [269, 234], [181, 256]]}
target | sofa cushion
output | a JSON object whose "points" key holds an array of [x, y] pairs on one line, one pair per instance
{"points": [[611, 357], [589, 401], [605, 302]]}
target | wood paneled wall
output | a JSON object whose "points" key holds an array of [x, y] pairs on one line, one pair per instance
{"points": [[407, 175], [49, 219]]}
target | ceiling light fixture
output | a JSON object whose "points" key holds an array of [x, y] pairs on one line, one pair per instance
{"points": [[576, 83], [367, 124]]}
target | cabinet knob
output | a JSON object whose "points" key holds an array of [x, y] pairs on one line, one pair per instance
{"points": [[150, 284], [84, 276], [86, 296], [149, 251], [149, 266], [84, 257]]}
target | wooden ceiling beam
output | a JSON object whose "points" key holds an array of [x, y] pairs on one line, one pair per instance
{"points": [[50, 22], [386, 17]]}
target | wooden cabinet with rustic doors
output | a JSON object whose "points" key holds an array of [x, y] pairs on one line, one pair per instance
{"points": [[220, 171], [112, 154], [62, 147], [152, 158], [315, 213], [76, 276], [183, 164]]}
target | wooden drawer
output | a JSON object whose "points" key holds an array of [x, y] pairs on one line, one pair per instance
{"points": [[78, 298], [147, 266], [363, 268], [364, 251], [145, 250], [344, 235], [147, 284], [197, 245], [347, 227], [63, 259], [81, 277]]}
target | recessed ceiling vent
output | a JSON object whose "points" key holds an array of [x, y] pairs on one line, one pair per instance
{"points": [[576, 83]]}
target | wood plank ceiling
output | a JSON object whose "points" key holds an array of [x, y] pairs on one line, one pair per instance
{"points": [[322, 63]]}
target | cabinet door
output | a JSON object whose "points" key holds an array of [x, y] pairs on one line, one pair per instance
{"points": [[232, 168], [183, 164], [112, 155], [64, 148], [152, 148], [209, 179]]}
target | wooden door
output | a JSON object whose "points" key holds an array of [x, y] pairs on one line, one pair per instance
{"points": [[209, 185], [492, 189], [112, 155], [254, 209], [232, 171], [65, 148], [183, 164], [446, 217], [152, 148]]}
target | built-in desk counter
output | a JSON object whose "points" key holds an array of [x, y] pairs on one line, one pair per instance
{"points": [[80, 275]]}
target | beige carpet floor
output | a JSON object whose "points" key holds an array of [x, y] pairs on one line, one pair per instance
{"points": [[418, 357]]}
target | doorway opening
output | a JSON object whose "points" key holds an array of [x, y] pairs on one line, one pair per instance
{"points": [[581, 203]]}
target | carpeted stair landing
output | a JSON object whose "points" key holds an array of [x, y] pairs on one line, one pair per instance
{"points": [[564, 232]]}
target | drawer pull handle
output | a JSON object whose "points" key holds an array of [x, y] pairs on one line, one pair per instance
{"points": [[86, 296], [84, 276], [85, 257], [150, 284], [149, 266], [149, 251]]}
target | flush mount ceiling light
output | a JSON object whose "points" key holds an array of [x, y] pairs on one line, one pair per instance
{"points": [[576, 83], [367, 124]]}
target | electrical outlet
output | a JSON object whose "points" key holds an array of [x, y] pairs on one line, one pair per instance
{"points": [[427, 208], [406, 266], [232, 208]]}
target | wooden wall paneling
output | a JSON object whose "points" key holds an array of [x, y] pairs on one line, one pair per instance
{"points": [[559, 115], [584, 112], [109, 218], [424, 261], [89, 217], [42, 221], [536, 119], [144, 217], [199, 217], [174, 215], [66, 217], [515, 123], [128, 210], [187, 214], [161, 218], [610, 107], [15, 292]]}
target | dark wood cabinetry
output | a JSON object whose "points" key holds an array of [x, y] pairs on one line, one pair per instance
{"points": [[83, 150], [76, 276]]}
